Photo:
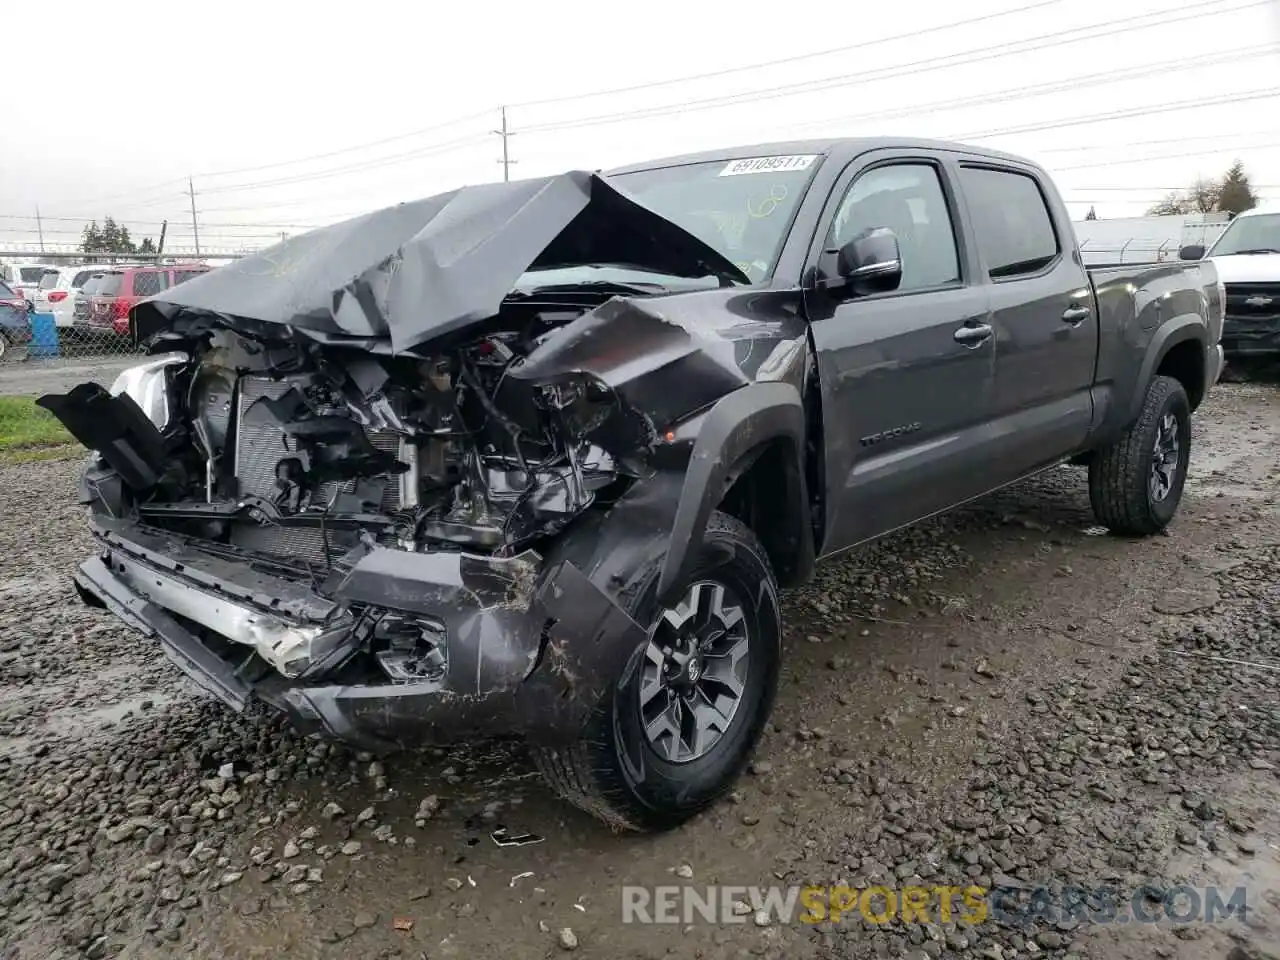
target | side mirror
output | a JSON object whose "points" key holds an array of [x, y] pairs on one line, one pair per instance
{"points": [[1193, 251], [869, 263]]}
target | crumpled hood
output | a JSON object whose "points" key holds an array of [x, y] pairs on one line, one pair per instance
{"points": [[419, 270], [1248, 268]]}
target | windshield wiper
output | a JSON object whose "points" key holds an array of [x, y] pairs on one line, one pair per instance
{"points": [[1244, 253]]}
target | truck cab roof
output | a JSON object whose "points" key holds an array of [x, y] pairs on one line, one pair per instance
{"points": [[841, 146]]}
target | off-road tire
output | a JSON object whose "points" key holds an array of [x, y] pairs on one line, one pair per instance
{"points": [[612, 771], [1119, 474]]}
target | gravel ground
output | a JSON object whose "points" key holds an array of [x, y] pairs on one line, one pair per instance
{"points": [[34, 377], [1002, 697]]}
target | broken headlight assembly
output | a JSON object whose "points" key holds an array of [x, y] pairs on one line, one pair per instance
{"points": [[582, 402], [410, 648], [150, 386]]}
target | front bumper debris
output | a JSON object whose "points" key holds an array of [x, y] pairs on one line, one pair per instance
{"points": [[531, 644]]}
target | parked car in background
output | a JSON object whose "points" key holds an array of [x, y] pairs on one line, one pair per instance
{"points": [[14, 326], [24, 278], [1247, 257], [58, 293], [108, 296]]}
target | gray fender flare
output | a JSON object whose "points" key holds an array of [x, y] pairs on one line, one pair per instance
{"points": [[1173, 331], [737, 425]]}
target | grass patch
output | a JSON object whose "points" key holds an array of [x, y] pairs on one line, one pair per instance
{"points": [[26, 429]]}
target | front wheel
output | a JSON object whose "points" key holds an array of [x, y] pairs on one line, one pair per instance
{"points": [[1135, 485], [677, 726]]}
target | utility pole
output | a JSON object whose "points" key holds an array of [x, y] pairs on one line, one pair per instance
{"points": [[195, 227], [40, 227], [164, 225], [505, 134]]}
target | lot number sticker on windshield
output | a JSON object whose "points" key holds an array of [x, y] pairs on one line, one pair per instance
{"points": [[736, 168]]}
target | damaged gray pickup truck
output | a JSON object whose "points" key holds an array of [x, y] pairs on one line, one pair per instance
{"points": [[532, 459]]}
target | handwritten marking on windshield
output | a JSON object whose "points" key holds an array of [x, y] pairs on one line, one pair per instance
{"points": [[777, 193]]}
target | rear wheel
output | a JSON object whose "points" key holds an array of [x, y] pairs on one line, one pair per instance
{"points": [[1135, 485], [677, 726]]}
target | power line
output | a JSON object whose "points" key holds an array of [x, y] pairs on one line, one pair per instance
{"points": [[928, 64], [745, 68], [445, 147], [1241, 97], [360, 146], [1166, 156], [1056, 86], [128, 193], [1076, 148]]}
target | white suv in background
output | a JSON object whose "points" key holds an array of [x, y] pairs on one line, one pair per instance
{"points": [[58, 292], [23, 278]]}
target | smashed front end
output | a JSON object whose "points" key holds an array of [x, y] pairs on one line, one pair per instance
{"points": [[393, 544]]}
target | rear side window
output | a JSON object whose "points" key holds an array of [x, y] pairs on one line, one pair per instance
{"points": [[148, 282], [182, 276], [1011, 221], [107, 285]]}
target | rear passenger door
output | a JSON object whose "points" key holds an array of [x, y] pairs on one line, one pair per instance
{"points": [[906, 375], [1042, 309]]}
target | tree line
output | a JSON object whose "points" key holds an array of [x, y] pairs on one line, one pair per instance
{"points": [[1230, 194], [112, 237]]}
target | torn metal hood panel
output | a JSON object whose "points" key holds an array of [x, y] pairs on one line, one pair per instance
{"points": [[419, 270]]}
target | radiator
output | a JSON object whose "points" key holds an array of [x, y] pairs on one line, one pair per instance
{"points": [[260, 446]]}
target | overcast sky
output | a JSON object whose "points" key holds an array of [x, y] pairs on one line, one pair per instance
{"points": [[289, 114]]}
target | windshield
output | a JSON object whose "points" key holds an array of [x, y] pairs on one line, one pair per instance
{"points": [[1260, 234], [32, 274], [49, 281], [742, 208]]}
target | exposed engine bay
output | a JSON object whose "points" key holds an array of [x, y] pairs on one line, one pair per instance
{"points": [[299, 449]]}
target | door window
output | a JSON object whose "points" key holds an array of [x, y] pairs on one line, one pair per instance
{"points": [[148, 282], [1011, 221], [908, 199]]}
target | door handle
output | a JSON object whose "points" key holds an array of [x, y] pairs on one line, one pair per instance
{"points": [[973, 335], [1076, 315]]}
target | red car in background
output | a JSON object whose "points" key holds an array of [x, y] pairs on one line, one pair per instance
{"points": [[107, 297]]}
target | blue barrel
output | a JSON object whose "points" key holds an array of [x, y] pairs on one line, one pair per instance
{"points": [[44, 336]]}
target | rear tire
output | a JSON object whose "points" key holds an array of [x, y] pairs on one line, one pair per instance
{"points": [[1135, 485], [633, 767]]}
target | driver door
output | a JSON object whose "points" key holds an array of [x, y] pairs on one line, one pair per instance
{"points": [[908, 375]]}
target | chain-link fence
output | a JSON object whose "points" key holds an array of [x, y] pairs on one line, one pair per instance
{"points": [[72, 311]]}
